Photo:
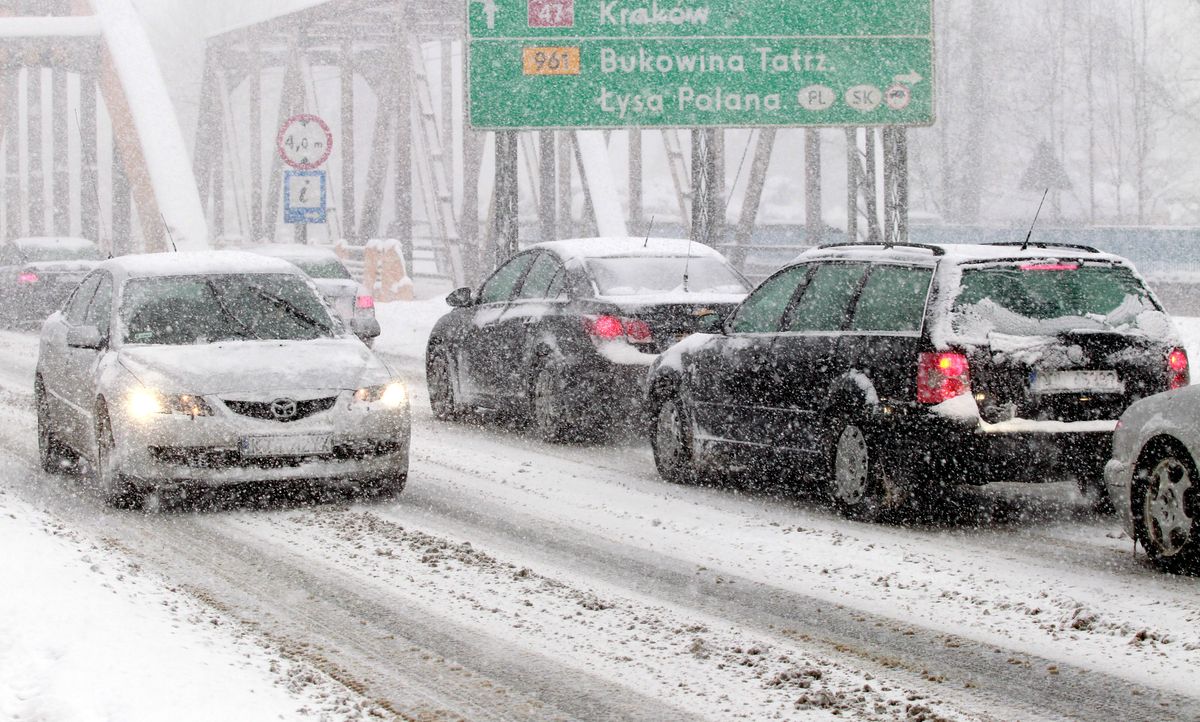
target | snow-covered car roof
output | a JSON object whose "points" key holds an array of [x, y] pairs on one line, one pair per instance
{"points": [[295, 251], [614, 247], [955, 252], [194, 263], [61, 242]]}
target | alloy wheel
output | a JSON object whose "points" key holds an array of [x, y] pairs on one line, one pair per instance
{"points": [[1164, 507], [851, 466]]}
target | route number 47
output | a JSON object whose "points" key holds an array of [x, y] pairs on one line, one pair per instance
{"points": [[551, 13]]}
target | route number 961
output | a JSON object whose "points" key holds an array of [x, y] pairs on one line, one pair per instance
{"points": [[551, 61]]}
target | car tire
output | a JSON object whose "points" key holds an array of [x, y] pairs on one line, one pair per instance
{"points": [[551, 419], [439, 376], [1166, 507], [672, 438], [116, 488], [862, 485], [54, 456]]}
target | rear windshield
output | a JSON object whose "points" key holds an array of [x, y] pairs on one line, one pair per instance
{"points": [[642, 276], [1050, 298], [323, 269], [41, 254], [185, 310]]}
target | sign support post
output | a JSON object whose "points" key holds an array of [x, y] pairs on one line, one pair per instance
{"points": [[507, 229]]}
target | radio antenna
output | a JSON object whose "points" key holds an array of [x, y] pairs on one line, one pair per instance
{"points": [[649, 229], [687, 266], [170, 236], [1025, 245]]}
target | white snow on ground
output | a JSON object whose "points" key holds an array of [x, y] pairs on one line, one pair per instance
{"points": [[86, 635], [406, 326]]}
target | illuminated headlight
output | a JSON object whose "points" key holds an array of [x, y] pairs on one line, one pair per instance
{"points": [[143, 404], [391, 396]]}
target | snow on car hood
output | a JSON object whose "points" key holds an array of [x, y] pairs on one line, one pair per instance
{"points": [[255, 366]]}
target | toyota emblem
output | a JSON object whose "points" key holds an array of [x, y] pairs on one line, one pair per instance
{"points": [[284, 409]]}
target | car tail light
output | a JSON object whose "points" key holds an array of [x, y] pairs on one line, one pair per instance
{"points": [[1178, 374], [611, 328], [27, 277], [364, 302], [942, 376], [638, 331]]}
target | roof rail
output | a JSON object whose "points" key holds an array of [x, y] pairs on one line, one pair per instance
{"points": [[1044, 244], [935, 250]]}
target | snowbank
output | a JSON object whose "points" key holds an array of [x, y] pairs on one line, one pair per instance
{"points": [[84, 635]]}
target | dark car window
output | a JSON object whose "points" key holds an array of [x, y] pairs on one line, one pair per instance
{"points": [[762, 311], [184, 310], [503, 282], [893, 299], [99, 311], [78, 303], [645, 276], [826, 301], [540, 277]]}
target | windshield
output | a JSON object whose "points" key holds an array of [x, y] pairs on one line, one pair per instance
{"points": [[1051, 298], [185, 310], [41, 254], [330, 268], [645, 276]]}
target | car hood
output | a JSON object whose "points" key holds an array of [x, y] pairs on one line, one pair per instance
{"points": [[241, 367]]}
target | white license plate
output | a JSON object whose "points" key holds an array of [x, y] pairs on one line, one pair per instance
{"points": [[307, 445], [1076, 382]]}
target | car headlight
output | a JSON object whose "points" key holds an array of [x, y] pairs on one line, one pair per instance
{"points": [[143, 404], [391, 396]]}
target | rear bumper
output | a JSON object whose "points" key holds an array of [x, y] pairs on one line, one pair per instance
{"points": [[606, 388], [968, 454]]}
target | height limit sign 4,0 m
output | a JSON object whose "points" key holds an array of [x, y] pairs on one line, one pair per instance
{"points": [[698, 63]]}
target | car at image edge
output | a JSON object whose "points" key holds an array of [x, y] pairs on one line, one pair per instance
{"points": [[173, 370], [37, 274]]}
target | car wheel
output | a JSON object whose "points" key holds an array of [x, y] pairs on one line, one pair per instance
{"points": [[54, 456], [551, 419], [1166, 508], [115, 487], [441, 388], [860, 485], [673, 442]]}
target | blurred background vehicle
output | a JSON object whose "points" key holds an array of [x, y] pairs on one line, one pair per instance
{"points": [[348, 297], [564, 331], [37, 275]]}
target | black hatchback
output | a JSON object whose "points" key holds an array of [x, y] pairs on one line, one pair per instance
{"points": [[564, 332], [897, 372]]}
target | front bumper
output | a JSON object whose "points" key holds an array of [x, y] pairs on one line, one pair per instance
{"points": [[170, 450]]}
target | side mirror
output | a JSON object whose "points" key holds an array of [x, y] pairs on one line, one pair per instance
{"points": [[711, 323], [461, 298], [85, 337], [365, 328]]}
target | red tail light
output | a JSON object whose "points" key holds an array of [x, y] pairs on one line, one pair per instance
{"points": [[610, 328], [27, 277], [364, 302], [1178, 374], [942, 376], [638, 331]]}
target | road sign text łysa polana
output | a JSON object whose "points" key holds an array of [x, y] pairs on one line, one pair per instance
{"points": [[690, 63]]}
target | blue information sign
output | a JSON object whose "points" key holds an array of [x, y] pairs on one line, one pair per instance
{"points": [[304, 194]]}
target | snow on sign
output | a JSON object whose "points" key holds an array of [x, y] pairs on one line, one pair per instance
{"points": [[305, 142], [304, 196], [697, 63]]}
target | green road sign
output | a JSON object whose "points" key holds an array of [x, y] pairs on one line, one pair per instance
{"points": [[699, 63]]}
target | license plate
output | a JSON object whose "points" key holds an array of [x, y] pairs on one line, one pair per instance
{"points": [[309, 445], [1076, 382]]}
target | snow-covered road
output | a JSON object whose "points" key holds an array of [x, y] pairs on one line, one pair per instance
{"points": [[519, 580]]}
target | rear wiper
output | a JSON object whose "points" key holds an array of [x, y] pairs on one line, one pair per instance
{"points": [[290, 308]]}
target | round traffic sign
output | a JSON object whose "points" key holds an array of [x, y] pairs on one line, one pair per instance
{"points": [[305, 141], [898, 97]]}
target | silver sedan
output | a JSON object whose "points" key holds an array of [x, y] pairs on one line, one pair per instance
{"points": [[1152, 478], [172, 370]]}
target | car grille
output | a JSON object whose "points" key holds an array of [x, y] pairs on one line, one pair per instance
{"points": [[217, 458], [262, 409]]}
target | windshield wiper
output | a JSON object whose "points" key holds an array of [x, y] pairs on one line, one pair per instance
{"points": [[246, 331], [290, 308]]}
